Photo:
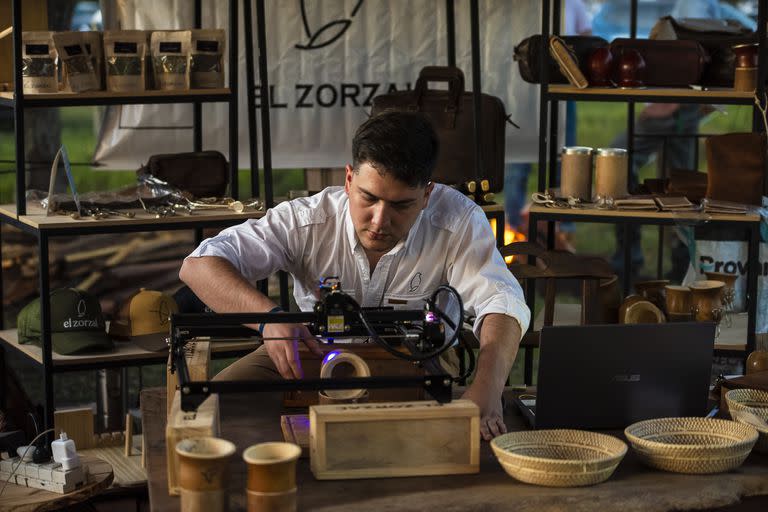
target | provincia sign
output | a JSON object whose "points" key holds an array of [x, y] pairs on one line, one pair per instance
{"points": [[326, 62]]}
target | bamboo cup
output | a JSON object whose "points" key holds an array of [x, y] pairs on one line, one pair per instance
{"points": [[705, 300], [271, 485], [611, 173], [204, 473], [576, 172], [678, 300]]}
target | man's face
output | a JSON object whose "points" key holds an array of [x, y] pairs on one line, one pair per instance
{"points": [[382, 208]]}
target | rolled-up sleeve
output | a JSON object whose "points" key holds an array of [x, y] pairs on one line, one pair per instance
{"points": [[257, 248], [481, 277]]}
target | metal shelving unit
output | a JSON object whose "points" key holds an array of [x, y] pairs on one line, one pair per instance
{"points": [[32, 220], [551, 94]]}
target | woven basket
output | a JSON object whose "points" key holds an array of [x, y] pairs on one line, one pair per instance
{"points": [[691, 445], [559, 458], [752, 401]]}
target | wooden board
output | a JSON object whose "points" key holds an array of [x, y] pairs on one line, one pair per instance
{"points": [[182, 425], [661, 92], [128, 471], [671, 217], [295, 429], [381, 363], [394, 439]]}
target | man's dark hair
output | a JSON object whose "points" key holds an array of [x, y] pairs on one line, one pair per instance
{"points": [[403, 144]]}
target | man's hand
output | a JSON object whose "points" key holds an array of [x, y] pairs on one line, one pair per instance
{"points": [[285, 352], [491, 413]]}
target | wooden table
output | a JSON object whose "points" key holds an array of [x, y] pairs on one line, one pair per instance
{"points": [[248, 419], [16, 498]]}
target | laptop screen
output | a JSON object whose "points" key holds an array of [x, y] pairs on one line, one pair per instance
{"points": [[609, 376]]}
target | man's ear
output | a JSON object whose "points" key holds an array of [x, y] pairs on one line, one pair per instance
{"points": [[427, 193], [348, 178]]}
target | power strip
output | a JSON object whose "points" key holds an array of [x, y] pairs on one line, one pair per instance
{"points": [[49, 476]]}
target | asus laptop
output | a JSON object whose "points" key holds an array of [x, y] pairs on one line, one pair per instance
{"points": [[609, 376]]}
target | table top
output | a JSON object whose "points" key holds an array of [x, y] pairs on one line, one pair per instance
{"points": [[632, 487], [651, 216], [24, 499]]}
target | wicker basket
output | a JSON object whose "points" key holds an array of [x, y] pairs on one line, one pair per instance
{"points": [[559, 458], [691, 445], [752, 401]]}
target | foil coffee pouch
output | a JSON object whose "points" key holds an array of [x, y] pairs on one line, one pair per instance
{"points": [[170, 59], [125, 53], [207, 61], [94, 44], [39, 63], [77, 66]]}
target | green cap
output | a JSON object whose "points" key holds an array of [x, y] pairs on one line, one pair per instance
{"points": [[77, 324]]}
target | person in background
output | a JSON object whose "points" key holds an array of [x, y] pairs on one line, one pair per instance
{"points": [[576, 22]]}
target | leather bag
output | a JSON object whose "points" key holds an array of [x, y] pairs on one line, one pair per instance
{"points": [[736, 167], [452, 116], [717, 37], [201, 174], [667, 63], [528, 51]]}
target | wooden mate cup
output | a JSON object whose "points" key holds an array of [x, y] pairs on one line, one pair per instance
{"points": [[271, 485], [705, 300], [653, 291], [204, 473], [678, 300]]}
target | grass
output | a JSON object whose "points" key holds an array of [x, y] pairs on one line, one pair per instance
{"points": [[598, 124]]}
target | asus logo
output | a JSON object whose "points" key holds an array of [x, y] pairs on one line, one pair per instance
{"points": [[630, 377]]}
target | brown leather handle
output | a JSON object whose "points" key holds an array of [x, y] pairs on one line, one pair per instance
{"points": [[454, 77]]}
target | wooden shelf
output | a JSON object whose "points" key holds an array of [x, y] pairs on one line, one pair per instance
{"points": [[124, 351], [615, 94], [37, 219], [585, 214], [116, 98]]}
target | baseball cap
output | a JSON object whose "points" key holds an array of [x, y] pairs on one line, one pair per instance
{"points": [[77, 324], [145, 319]]}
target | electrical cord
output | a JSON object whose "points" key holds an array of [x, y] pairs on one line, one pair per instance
{"points": [[21, 459], [432, 302]]}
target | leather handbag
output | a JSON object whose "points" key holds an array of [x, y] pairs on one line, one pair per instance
{"points": [[736, 167], [452, 115], [528, 51], [201, 174], [717, 37], [667, 63]]}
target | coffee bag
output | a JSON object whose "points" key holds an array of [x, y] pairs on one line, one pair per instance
{"points": [[77, 65], [170, 59], [39, 63], [125, 53], [207, 63]]}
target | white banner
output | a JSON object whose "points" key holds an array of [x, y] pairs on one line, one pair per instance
{"points": [[327, 59]]}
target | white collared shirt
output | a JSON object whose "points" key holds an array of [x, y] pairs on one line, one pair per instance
{"points": [[451, 242]]}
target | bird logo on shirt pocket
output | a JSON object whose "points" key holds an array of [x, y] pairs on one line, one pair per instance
{"points": [[415, 283]]}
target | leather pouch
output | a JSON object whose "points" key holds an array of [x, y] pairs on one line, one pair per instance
{"points": [[667, 63], [528, 51], [736, 167], [688, 183], [717, 37], [201, 174], [452, 115]]}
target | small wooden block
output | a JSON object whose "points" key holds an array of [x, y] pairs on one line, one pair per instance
{"points": [[32, 469], [394, 439], [46, 470], [198, 355], [78, 424], [296, 430], [182, 425], [70, 476]]}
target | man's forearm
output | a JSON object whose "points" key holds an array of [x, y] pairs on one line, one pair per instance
{"points": [[221, 287], [499, 340]]}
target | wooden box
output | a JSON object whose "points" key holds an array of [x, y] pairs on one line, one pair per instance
{"points": [[381, 363], [182, 425], [394, 439], [198, 356]]}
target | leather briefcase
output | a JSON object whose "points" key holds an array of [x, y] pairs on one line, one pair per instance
{"points": [[452, 115], [717, 37], [667, 63], [528, 51], [736, 167], [201, 174]]}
